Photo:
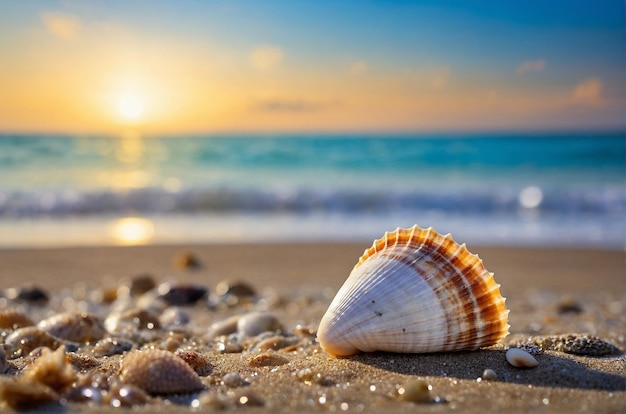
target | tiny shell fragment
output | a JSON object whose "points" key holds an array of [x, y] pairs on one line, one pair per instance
{"points": [[520, 358], [268, 359], [159, 372]]}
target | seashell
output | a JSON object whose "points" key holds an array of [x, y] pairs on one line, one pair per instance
{"points": [[52, 369], [23, 340], [520, 358], [197, 361], [268, 359], [21, 395], [415, 291], [159, 372], [13, 319], [75, 327]]}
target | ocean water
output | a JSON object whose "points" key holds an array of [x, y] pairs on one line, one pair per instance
{"points": [[491, 189]]}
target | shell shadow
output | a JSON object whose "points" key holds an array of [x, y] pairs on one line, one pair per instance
{"points": [[553, 371]]}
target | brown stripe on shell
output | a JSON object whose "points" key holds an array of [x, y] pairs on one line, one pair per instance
{"points": [[463, 276]]}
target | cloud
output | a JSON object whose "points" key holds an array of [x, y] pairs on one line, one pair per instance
{"points": [[266, 57], [359, 67], [589, 92], [531, 66], [62, 25], [295, 105]]}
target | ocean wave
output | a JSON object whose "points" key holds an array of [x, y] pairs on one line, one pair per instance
{"points": [[71, 202]]}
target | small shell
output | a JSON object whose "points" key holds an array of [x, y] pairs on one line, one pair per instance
{"points": [[267, 359], [21, 395], [159, 372], [520, 358], [197, 361], [13, 319], [23, 340], [75, 327], [415, 291]]}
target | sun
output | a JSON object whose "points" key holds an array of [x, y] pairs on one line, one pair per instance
{"points": [[130, 105]]}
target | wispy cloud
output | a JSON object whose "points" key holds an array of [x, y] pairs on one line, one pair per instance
{"points": [[266, 57], [288, 105], [62, 25], [589, 92], [531, 66]]}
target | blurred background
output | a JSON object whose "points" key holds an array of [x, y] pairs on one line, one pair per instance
{"points": [[242, 121]]}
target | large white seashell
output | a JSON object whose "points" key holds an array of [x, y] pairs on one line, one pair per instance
{"points": [[415, 291]]}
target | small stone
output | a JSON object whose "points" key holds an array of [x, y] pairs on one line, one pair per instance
{"points": [[237, 289], [111, 346], [520, 358], [180, 295], [141, 284], [174, 317], [416, 391], [568, 304], [232, 380], [223, 327], [187, 261], [31, 294], [255, 323], [489, 375], [24, 340]]}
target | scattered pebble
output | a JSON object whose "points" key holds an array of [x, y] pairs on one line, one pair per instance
{"points": [[520, 358], [30, 294], [186, 261], [489, 375], [568, 304], [111, 346], [141, 284], [577, 344], [232, 380], [255, 323], [417, 391], [181, 295]]}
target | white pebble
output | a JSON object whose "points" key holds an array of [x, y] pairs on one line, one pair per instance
{"points": [[254, 323], [520, 358], [489, 375]]}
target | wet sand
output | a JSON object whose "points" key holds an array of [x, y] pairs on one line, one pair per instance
{"points": [[548, 291]]}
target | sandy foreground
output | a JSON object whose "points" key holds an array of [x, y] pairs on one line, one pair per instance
{"points": [[548, 291]]}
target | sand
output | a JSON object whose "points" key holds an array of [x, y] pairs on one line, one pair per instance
{"points": [[548, 291]]}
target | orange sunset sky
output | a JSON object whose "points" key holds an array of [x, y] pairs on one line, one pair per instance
{"points": [[277, 66]]}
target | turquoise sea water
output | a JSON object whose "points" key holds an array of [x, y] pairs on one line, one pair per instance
{"points": [[513, 189]]}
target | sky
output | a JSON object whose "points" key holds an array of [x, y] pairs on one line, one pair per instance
{"points": [[191, 66]]}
